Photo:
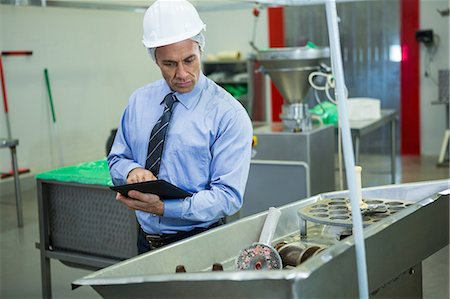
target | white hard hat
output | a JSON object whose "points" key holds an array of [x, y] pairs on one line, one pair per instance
{"points": [[170, 21]]}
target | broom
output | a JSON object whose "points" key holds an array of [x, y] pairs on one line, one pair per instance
{"points": [[55, 127]]}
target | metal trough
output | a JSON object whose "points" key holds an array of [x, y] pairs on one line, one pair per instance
{"points": [[395, 247]]}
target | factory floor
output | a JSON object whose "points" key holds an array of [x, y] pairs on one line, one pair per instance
{"points": [[20, 260]]}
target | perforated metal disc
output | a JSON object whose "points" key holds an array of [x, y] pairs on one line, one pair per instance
{"points": [[259, 256], [334, 211]]}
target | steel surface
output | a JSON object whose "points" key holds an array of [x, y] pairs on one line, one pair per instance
{"points": [[395, 247]]}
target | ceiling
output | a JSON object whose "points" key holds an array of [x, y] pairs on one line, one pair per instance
{"points": [[128, 5]]}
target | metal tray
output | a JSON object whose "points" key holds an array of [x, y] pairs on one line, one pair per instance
{"points": [[395, 247]]}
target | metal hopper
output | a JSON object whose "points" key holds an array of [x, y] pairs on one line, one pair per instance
{"points": [[289, 69], [396, 244]]}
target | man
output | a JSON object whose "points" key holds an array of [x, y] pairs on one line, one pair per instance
{"points": [[206, 146]]}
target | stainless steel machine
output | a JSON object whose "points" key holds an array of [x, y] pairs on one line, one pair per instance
{"points": [[316, 245], [289, 69], [294, 142]]}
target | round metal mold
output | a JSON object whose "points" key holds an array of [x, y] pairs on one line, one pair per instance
{"points": [[258, 256], [335, 211]]}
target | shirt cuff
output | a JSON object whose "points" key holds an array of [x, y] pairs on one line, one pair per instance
{"points": [[173, 208], [130, 168]]}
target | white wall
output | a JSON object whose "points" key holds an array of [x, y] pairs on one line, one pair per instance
{"points": [[95, 60], [433, 116]]}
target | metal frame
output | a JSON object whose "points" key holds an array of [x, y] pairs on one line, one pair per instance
{"points": [[12, 143], [51, 248], [362, 128]]}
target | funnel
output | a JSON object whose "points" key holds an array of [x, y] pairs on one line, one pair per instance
{"points": [[289, 69]]}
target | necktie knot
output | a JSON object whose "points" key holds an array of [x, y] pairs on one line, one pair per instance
{"points": [[169, 100]]}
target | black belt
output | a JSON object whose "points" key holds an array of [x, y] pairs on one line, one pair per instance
{"points": [[157, 241]]}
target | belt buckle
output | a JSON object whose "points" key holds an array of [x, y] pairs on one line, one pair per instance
{"points": [[155, 241]]}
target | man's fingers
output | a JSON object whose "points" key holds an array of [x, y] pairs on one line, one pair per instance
{"points": [[146, 202], [141, 176]]}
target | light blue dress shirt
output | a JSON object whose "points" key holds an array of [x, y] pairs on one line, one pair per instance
{"points": [[207, 152]]}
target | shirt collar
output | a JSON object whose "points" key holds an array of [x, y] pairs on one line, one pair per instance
{"points": [[190, 98]]}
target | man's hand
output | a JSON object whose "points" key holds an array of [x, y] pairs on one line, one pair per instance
{"points": [[146, 202], [138, 175], [136, 200]]}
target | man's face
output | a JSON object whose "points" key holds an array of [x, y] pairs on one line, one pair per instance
{"points": [[179, 64]]}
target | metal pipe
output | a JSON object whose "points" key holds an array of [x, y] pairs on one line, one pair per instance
{"points": [[17, 186], [17, 53], [336, 61], [394, 151]]}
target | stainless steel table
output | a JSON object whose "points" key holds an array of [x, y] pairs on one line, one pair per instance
{"points": [[12, 143], [396, 245], [364, 127]]}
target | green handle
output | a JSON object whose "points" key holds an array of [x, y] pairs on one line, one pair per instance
{"points": [[47, 81]]}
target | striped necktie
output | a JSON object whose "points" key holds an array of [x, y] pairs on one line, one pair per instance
{"points": [[156, 143]]}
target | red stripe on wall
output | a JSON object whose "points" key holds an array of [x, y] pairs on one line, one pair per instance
{"points": [[276, 39], [410, 78]]}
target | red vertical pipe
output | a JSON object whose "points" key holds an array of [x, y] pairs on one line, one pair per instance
{"points": [[410, 78], [276, 40], [2, 76]]}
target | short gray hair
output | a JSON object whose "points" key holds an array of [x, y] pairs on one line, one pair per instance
{"points": [[199, 38]]}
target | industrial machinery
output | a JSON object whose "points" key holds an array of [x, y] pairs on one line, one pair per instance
{"points": [[289, 69], [316, 244], [294, 141]]}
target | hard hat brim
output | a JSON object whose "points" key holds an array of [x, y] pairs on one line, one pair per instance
{"points": [[160, 42]]}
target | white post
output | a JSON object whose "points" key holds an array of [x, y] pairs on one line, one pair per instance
{"points": [[349, 160]]}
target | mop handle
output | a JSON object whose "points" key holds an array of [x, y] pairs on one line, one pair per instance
{"points": [[49, 91]]}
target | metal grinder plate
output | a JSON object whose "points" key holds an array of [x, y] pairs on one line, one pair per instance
{"points": [[334, 211], [259, 256]]}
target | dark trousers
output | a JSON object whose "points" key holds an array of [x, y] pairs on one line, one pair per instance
{"points": [[148, 242]]}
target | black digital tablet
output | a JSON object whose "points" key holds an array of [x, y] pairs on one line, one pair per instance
{"points": [[164, 189]]}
